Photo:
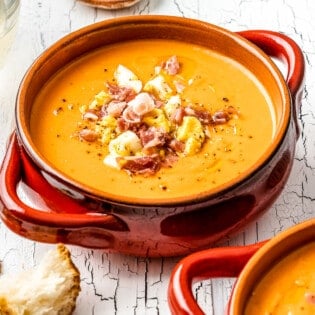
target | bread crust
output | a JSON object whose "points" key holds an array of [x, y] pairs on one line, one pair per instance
{"points": [[110, 4], [4, 308], [29, 293]]}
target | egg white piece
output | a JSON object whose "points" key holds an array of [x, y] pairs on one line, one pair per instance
{"points": [[125, 77]]}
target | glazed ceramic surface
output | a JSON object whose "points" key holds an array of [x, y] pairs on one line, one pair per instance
{"points": [[248, 264], [74, 214]]}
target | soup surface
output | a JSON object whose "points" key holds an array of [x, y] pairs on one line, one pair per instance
{"points": [[288, 288], [205, 80]]}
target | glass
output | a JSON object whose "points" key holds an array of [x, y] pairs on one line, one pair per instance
{"points": [[9, 12]]}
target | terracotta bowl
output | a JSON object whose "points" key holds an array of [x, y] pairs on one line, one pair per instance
{"points": [[246, 263], [156, 227]]}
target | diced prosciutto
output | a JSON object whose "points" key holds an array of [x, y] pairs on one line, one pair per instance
{"points": [[220, 117], [176, 145], [143, 103], [189, 111], [153, 137], [122, 124], [170, 159], [90, 116], [310, 297], [204, 116], [178, 115], [179, 86], [130, 116], [88, 135], [121, 93], [115, 108], [158, 103], [171, 65], [146, 165]]}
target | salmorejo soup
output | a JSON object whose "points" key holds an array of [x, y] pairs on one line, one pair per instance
{"points": [[153, 119], [288, 288]]}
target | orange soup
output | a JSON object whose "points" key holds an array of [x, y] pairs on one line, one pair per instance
{"points": [[212, 118], [288, 288]]}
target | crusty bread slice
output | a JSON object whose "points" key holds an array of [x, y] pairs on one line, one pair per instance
{"points": [[110, 4], [51, 288]]}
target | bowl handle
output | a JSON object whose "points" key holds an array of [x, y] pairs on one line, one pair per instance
{"points": [[66, 217], [210, 263], [284, 48]]}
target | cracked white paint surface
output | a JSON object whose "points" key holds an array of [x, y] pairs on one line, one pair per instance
{"points": [[118, 284]]}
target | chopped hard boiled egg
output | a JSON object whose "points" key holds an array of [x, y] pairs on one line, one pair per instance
{"points": [[100, 99], [106, 129], [127, 143], [173, 103], [191, 132], [159, 87], [192, 146], [157, 118], [126, 77]]}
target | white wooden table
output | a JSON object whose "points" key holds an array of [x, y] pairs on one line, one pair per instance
{"points": [[118, 284]]}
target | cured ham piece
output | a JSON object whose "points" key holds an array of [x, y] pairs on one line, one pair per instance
{"points": [[115, 108], [143, 103], [146, 165], [120, 93], [122, 124], [90, 115], [176, 145], [171, 65], [88, 135], [310, 297], [130, 116], [178, 115], [220, 117], [179, 86], [153, 137]]}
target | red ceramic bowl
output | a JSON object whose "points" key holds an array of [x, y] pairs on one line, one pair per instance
{"points": [[76, 214], [246, 263]]}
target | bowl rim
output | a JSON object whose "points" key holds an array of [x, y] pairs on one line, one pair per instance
{"points": [[275, 249], [48, 168]]}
